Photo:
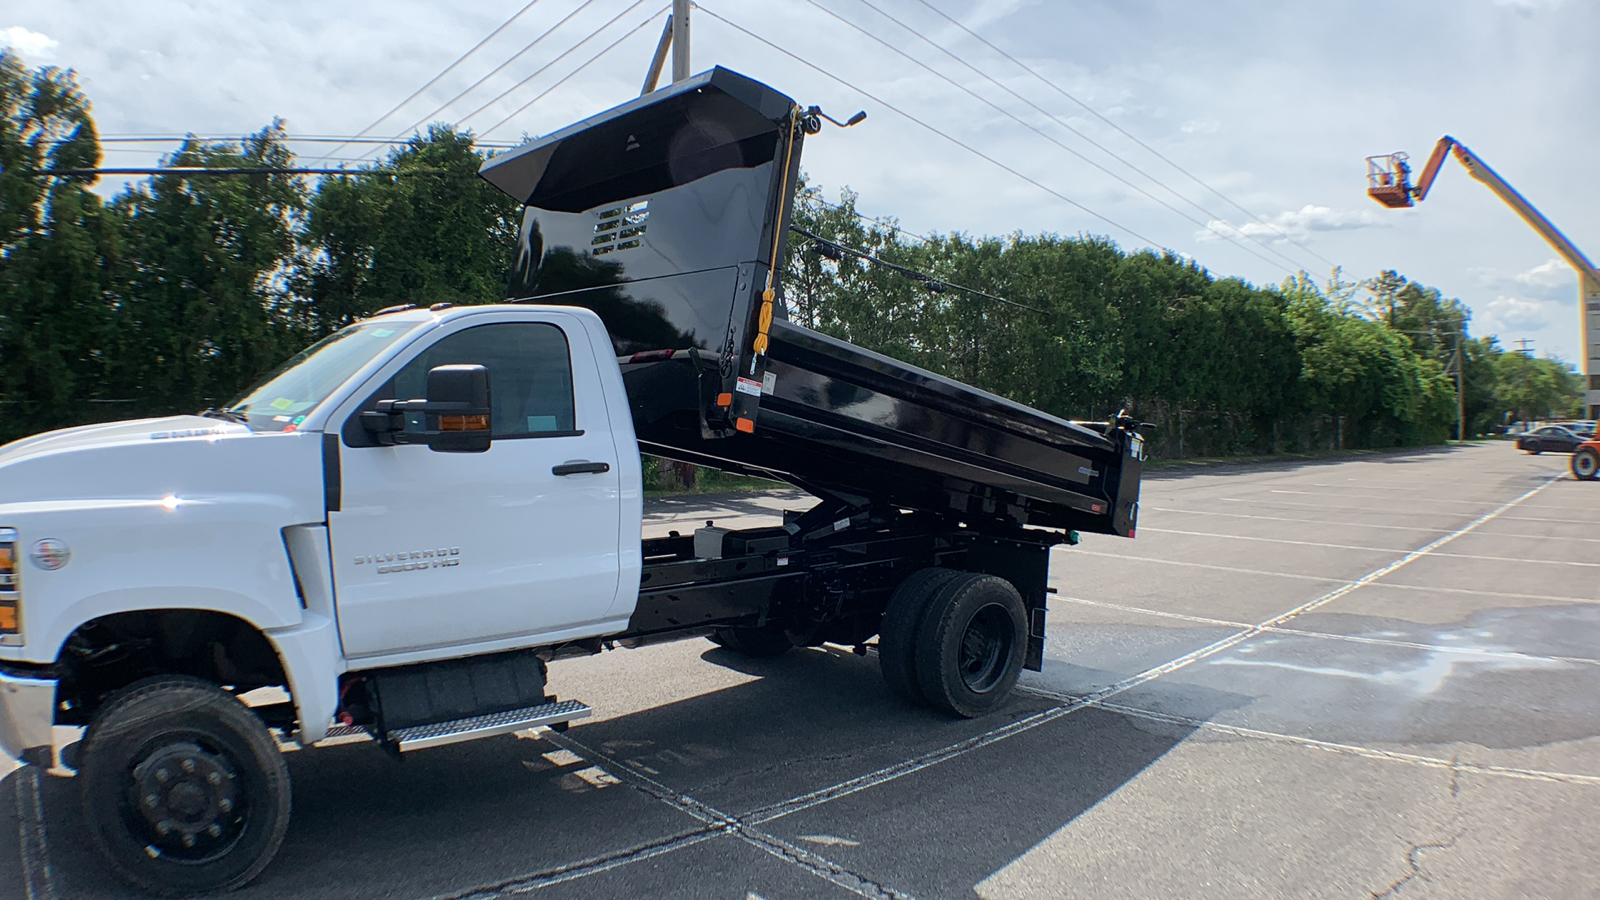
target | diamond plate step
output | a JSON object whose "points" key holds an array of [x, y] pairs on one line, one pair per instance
{"points": [[418, 737]]}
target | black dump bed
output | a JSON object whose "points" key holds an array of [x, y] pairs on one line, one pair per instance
{"points": [[665, 215]]}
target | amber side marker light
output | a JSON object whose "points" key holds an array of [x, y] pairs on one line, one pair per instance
{"points": [[463, 423], [10, 582]]}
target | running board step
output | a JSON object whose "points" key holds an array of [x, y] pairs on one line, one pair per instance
{"points": [[418, 737]]}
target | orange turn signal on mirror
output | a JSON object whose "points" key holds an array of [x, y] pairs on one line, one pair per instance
{"points": [[463, 423]]}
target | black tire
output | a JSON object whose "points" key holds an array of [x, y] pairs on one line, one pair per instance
{"points": [[1535, 448], [897, 634], [1586, 464], [756, 643], [184, 790], [971, 645]]}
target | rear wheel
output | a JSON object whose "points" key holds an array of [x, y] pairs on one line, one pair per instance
{"points": [[184, 790], [758, 643], [971, 645], [897, 635], [1586, 464]]}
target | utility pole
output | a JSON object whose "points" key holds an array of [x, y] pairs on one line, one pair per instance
{"points": [[674, 36], [1461, 393], [1525, 346], [680, 40]]}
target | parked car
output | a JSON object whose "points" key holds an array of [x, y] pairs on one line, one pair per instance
{"points": [[1552, 439]]}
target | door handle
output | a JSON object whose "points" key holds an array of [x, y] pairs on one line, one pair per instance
{"points": [[580, 468]]}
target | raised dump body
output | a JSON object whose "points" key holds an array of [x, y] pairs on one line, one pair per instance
{"points": [[666, 216]]}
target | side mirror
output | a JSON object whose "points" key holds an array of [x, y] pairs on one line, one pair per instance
{"points": [[457, 409], [456, 413]]}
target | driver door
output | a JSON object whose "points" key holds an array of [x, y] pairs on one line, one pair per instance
{"points": [[438, 552]]}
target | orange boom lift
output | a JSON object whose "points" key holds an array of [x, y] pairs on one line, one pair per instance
{"points": [[1389, 183]]}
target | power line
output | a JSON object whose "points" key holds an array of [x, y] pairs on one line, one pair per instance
{"points": [[447, 69], [233, 138], [1036, 130], [891, 227], [1066, 125], [934, 284], [542, 94], [1153, 151], [903, 114], [230, 171], [498, 69]]}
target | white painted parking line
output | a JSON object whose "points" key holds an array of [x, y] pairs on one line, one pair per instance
{"points": [[961, 748], [1362, 526], [1334, 636], [38, 880], [1432, 762], [1244, 537], [1346, 492], [1353, 525], [1330, 579]]}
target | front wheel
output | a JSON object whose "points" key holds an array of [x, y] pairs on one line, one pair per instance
{"points": [[184, 790], [1535, 448], [1586, 464]]}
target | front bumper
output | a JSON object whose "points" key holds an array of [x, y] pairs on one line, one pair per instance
{"points": [[27, 713]]}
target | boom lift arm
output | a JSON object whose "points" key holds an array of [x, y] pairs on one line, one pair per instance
{"points": [[1388, 182]]}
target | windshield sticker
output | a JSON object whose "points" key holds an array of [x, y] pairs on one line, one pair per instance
{"points": [[299, 419], [280, 418], [281, 403], [382, 332]]}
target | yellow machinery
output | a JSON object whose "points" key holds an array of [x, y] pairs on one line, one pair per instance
{"points": [[1389, 183]]}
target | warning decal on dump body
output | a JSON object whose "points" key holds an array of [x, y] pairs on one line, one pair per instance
{"points": [[748, 386]]}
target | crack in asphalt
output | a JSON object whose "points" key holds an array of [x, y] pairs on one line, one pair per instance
{"points": [[594, 865], [719, 822], [1414, 859]]}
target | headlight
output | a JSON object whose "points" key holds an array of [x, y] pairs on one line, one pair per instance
{"points": [[10, 584]]}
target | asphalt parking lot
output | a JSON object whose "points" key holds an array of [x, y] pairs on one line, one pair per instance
{"points": [[1373, 677]]}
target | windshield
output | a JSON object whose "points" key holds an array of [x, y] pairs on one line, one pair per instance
{"points": [[281, 401]]}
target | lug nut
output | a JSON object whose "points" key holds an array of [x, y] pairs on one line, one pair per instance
{"points": [[213, 779], [151, 800], [188, 840], [163, 828], [163, 776], [188, 765], [225, 805], [214, 830]]}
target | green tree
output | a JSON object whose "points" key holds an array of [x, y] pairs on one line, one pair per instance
{"points": [[438, 235], [54, 238], [202, 300]]}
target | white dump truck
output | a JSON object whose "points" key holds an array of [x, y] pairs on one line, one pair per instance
{"points": [[404, 525]]}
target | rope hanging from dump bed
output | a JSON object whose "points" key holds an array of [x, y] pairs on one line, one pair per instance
{"points": [[768, 296]]}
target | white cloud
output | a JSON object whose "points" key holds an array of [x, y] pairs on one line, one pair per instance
{"points": [[1528, 5], [1297, 224], [1200, 126], [1551, 273], [30, 45], [1506, 316]]}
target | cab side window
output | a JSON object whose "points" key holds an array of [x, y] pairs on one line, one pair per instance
{"points": [[530, 376]]}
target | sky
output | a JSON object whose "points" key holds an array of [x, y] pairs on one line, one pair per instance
{"points": [[1273, 106]]}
